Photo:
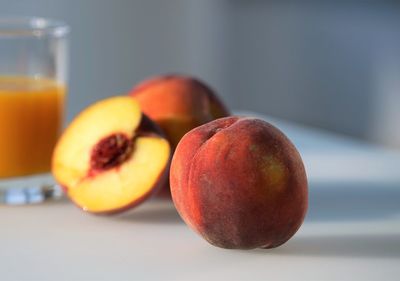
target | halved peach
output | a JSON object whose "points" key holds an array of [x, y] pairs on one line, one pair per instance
{"points": [[111, 157]]}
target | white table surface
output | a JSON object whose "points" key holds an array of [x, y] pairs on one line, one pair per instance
{"points": [[351, 232]]}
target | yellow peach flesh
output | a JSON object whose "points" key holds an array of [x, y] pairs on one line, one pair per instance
{"points": [[97, 122], [112, 189], [119, 186]]}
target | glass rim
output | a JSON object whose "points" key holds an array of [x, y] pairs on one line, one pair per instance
{"points": [[32, 27]]}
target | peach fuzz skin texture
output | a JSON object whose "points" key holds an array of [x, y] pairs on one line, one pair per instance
{"points": [[240, 183], [178, 104]]}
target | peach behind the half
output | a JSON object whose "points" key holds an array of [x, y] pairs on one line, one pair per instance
{"points": [[240, 183], [111, 157], [178, 104]]}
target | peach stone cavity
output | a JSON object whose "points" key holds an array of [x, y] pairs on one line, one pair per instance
{"points": [[104, 163]]}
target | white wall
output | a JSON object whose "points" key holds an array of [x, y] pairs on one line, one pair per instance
{"points": [[331, 64]]}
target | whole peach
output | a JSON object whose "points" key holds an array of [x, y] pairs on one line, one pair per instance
{"points": [[178, 103], [240, 183]]}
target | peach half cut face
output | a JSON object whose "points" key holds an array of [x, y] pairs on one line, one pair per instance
{"points": [[111, 157]]}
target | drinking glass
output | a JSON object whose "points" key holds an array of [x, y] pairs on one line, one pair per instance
{"points": [[33, 75]]}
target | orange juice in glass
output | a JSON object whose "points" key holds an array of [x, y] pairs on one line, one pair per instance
{"points": [[32, 98]]}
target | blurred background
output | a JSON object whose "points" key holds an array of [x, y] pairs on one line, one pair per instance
{"points": [[329, 64]]}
